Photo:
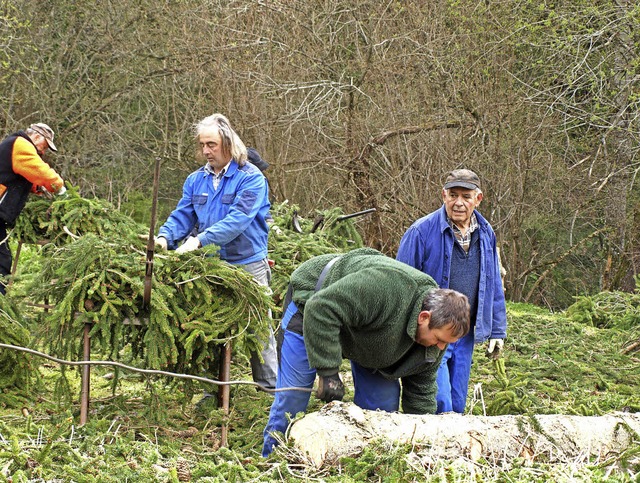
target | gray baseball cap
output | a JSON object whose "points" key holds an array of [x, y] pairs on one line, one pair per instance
{"points": [[463, 178], [46, 132]]}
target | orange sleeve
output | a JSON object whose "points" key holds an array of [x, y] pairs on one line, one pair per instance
{"points": [[27, 162]]}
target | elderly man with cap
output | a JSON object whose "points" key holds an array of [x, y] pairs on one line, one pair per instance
{"points": [[457, 247], [22, 171]]}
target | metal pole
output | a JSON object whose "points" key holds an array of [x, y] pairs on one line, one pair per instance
{"points": [[353, 215], [84, 394], [223, 391]]}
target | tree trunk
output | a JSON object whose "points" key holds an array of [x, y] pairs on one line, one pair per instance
{"points": [[343, 429]]}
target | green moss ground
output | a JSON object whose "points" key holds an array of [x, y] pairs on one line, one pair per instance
{"points": [[151, 430]]}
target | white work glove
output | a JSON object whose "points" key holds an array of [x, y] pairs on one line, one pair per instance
{"points": [[61, 191], [161, 242], [494, 347], [192, 243]]}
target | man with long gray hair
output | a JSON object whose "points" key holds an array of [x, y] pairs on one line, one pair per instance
{"points": [[226, 201]]}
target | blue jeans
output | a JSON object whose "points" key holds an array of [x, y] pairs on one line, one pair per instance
{"points": [[372, 391], [453, 376]]}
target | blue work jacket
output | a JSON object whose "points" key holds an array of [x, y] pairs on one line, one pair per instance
{"points": [[428, 245], [233, 217]]}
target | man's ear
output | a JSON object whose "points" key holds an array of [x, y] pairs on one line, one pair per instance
{"points": [[424, 318], [479, 198]]}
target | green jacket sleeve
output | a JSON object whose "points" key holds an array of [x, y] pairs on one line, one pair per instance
{"points": [[419, 390], [419, 393]]}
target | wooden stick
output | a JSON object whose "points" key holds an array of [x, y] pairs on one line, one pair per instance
{"points": [[632, 346], [15, 260], [223, 391], [86, 369], [146, 297]]}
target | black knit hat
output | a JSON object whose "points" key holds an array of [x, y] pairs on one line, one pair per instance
{"points": [[256, 160]]}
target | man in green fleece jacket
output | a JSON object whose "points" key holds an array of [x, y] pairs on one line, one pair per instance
{"points": [[390, 320]]}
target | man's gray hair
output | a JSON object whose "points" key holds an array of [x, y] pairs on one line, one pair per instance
{"points": [[229, 139], [448, 306]]}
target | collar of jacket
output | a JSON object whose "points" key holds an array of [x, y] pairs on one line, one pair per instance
{"points": [[444, 222], [23, 134], [231, 168]]}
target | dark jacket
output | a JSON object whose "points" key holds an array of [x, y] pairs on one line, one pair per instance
{"points": [[21, 170]]}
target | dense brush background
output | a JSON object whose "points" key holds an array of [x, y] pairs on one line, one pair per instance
{"points": [[355, 105]]}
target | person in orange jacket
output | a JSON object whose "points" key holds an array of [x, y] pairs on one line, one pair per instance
{"points": [[23, 171]]}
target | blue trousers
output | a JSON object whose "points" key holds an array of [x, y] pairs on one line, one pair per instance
{"points": [[453, 376], [372, 391]]}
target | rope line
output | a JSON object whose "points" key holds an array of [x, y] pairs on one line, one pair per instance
{"points": [[153, 371]]}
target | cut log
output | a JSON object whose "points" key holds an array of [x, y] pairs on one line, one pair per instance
{"points": [[343, 429]]}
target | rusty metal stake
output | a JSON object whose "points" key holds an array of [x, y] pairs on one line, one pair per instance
{"points": [[223, 390], [84, 394], [146, 297]]}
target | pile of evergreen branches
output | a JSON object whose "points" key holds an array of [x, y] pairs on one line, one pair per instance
{"points": [[608, 309], [15, 367], [91, 270], [289, 248], [198, 302], [554, 365], [53, 220]]}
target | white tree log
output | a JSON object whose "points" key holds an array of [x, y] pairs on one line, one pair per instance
{"points": [[343, 429]]}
